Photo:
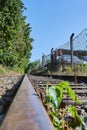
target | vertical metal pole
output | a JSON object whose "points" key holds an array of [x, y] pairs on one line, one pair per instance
{"points": [[51, 59], [43, 61], [39, 64], [71, 48]]}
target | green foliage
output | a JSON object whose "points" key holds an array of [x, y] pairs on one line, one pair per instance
{"points": [[77, 69], [1, 71], [82, 69], [55, 94], [6, 70], [33, 66], [15, 40], [21, 66], [74, 114], [54, 97]]}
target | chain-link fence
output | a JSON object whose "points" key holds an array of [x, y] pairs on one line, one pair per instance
{"points": [[79, 51]]}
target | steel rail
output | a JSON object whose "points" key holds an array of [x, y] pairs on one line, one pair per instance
{"points": [[83, 86], [26, 111]]}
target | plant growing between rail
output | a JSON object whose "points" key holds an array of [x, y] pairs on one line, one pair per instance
{"points": [[63, 116]]}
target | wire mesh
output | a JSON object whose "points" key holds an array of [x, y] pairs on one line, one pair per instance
{"points": [[79, 42]]}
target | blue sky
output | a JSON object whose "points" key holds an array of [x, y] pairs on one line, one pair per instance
{"points": [[53, 21]]}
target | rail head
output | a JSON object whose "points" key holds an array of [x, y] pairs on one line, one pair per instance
{"points": [[26, 111]]}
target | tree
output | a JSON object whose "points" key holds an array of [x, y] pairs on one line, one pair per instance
{"points": [[33, 66], [15, 40]]}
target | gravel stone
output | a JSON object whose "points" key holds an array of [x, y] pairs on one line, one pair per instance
{"points": [[9, 85]]}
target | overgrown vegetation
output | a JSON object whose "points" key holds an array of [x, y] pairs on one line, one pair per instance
{"points": [[4, 70], [33, 66], [15, 40], [67, 70], [63, 117], [1, 70], [78, 69]]}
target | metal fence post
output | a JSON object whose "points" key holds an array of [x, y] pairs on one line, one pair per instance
{"points": [[71, 48]]}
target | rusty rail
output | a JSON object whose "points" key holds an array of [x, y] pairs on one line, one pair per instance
{"points": [[26, 111]]}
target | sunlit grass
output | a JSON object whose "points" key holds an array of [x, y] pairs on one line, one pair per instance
{"points": [[7, 71]]}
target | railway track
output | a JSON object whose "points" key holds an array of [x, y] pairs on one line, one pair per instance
{"points": [[80, 88], [69, 77], [27, 112]]}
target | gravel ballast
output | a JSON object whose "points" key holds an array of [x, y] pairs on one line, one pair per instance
{"points": [[9, 85]]}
